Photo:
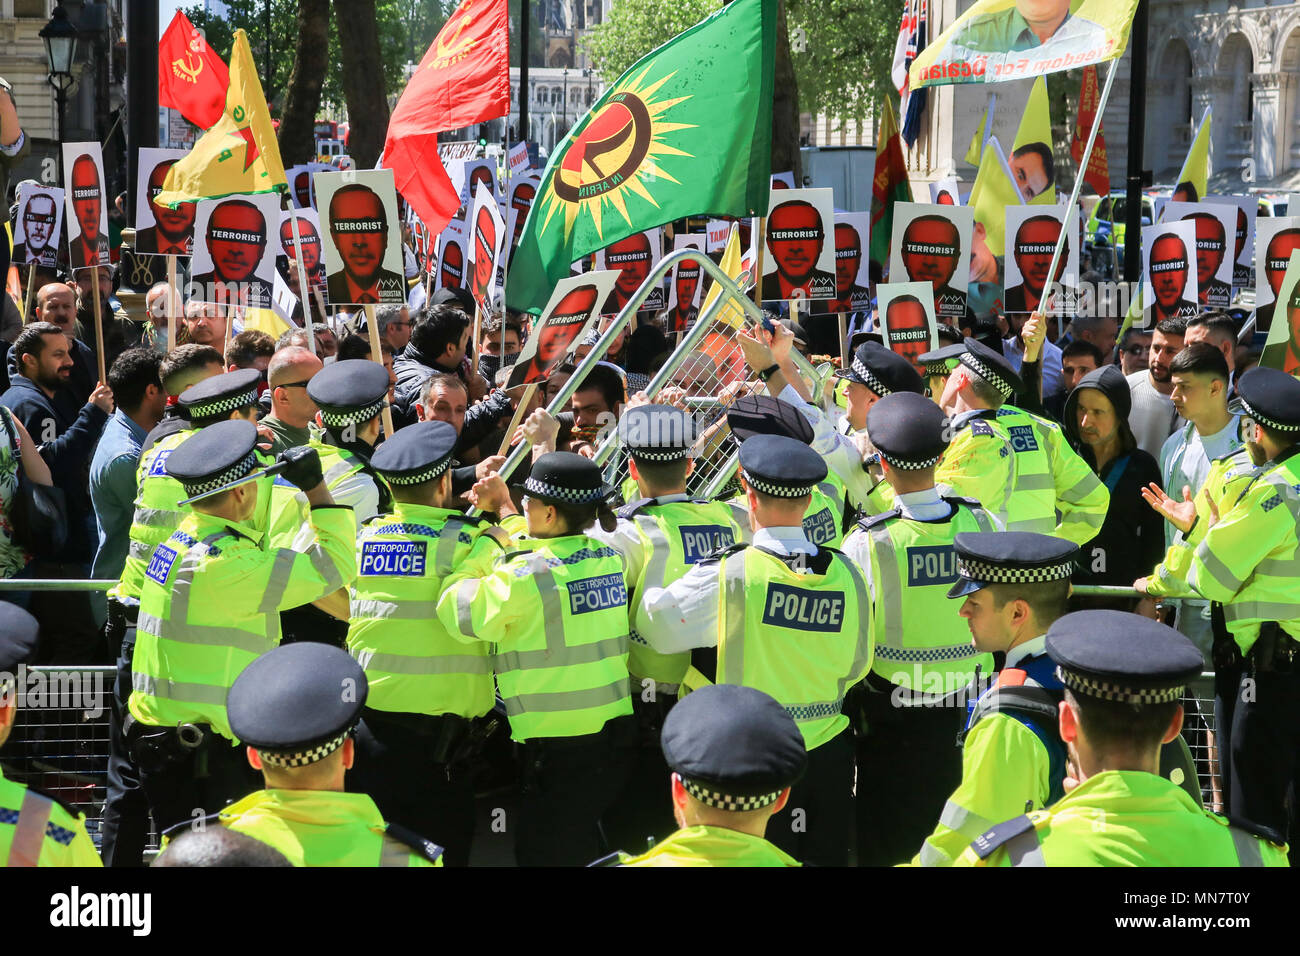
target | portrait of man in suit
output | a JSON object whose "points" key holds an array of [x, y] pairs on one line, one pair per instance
{"points": [[359, 230]]}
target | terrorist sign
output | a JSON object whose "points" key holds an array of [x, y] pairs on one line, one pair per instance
{"points": [[1243, 256], [300, 185], [83, 170], [1033, 232], [468, 174], [487, 231], [1282, 350], [160, 230], [852, 265], [998, 40], [234, 265], [633, 259], [944, 192], [450, 261], [569, 315], [523, 191], [36, 227], [363, 259], [1169, 287], [684, 290], [800, 263], [1214, 223], [783, 180], [907, 322], [1275, 238], [309, 234], [931, 243]]}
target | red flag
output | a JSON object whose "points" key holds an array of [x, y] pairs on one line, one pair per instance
{"points": [[464, 78], [191, 77], [1097, 175]]}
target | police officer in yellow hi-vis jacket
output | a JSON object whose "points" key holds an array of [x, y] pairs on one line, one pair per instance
{"points": [[1124, 678], [906, 713], [428, 690], [734, 754], [1017, 465], [35, 829], [294, 710], [208, 608], [790, 619], [555, 611]]}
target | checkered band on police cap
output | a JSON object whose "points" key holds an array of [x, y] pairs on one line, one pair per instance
{"points": [[428, 473], [869, 378], [661, 454], [572, 496], [729, 801], [937, 368], [302, 758], [1105, 690], [213, 482], [988, 374], [1000, 574], [1251, 413], [902, 465], [220, 404], [777, 491], [342, 418]]}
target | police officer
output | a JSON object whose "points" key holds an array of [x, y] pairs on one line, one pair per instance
{"points": [[734, 753], [938, 365], [790, 619], [295, 708], [556, 610], [1124, 676], [428, 691], [208, 608], [1013, 586], [1017, 465], [35, 829], [1246, 562], [903, 713], [751, 415]]}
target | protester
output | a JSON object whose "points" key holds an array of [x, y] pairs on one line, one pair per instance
{"points": [[1154, 418]]}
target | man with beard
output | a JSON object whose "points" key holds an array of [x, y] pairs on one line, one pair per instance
{"points": [[931, 250], [795, 236], [39, 219], [236, 240], [172, 233], [1168, 271], [1276, 258], [359, 230], [1211, 245], [686, 282], [310, 249], [1033, 169], [1153, 417], [90, 247], [1034, 245], [631, 257]]}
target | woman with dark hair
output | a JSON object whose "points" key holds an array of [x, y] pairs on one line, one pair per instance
{"points": [[1132, 536]]}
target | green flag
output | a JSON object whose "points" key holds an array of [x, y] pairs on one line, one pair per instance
{"points": [[687, 131]]}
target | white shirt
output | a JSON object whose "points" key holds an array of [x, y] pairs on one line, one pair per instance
{"points": [[684, 615], [1186, 457], [1153, 417], [839, 452], [1034, 647]]}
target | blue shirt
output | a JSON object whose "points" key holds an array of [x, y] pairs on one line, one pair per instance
{"points": [[112, 490]]}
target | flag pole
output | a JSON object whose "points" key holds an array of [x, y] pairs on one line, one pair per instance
{"points": [[172, 296], [99, 325], [31, 286], [1078, 185], [302, 281], [760, 224], [377, 355]]}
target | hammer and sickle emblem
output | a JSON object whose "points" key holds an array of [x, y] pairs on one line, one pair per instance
{"points": [[191, 67], [454, 43]]}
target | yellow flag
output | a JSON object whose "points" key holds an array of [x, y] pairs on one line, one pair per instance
{"points": [[731, 314], [995, 189], [977, 141], [1196, 167], [1031, 152], [239, 154], [265, 320]]}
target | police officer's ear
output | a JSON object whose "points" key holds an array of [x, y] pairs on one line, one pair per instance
{"points": [[781, 801], [254, 758], [1175, 725], [1067, 722], [349, 750]]}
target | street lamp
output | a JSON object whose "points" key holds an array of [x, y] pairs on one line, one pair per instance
{"points": [[61, 39]]}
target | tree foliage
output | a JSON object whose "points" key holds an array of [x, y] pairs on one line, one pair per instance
{"points": [[635, 27]]}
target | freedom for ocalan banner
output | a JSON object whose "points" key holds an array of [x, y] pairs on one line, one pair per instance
{"points": [[999, 40]]}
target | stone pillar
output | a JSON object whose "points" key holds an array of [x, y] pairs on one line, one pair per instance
{"points": [[1268, 146]]}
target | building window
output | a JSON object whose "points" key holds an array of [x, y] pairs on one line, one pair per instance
{"points": [[36, 9]]}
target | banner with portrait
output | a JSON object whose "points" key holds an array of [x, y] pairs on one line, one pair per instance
{"points": [[931, 243], [570, 313], [1276, 237], [363, 256], [37, 224], [1243, 256], [466, 176], [487, 233], [309, 234], [449, 264], [685, 286], [1032, 233], [852, 266], [237, 241], [1216, 226], [908, 325], [1282, 349], [800, 258], [944, 192], [523, 190], [633, 259], [1169, 287], [87, 199], [159, 229]]}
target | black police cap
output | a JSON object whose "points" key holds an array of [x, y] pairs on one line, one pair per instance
{"points": [[751, 415], [734, 747], [18, 636], [215, 456], [349, 392], [882, 370], [993, 367], [1010, 557], [910, 431], [940, 361], [1270, 397], [1114, 655], [656, 433], [780, 466], [221, 394], [566, 478], [296, 704], [416, 454]]}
